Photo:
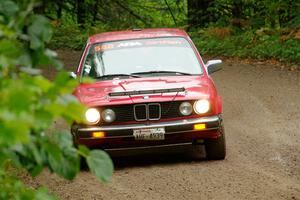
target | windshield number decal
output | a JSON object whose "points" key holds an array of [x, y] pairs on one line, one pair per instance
{"points": [[129, 44], [103, 47], [141, 43]]}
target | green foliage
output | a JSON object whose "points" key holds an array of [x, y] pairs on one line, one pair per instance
{"points": [[113, 15], [69, 37], [56, 152], [30, 104], [248, 45], [253, 14], [242, 17], [98, 158], [12, 188]]}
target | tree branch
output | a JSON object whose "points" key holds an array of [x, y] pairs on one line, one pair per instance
{"points": [[170, 10], [131, 12]]}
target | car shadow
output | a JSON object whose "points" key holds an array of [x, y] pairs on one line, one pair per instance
{"points": [[153, 159]]}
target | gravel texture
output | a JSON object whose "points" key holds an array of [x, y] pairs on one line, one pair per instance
{"points": [[262, 122]]}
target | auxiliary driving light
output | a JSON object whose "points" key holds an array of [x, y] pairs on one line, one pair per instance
{"points": [[201, 106], [186, 108], [108, 115], [92, 115]]}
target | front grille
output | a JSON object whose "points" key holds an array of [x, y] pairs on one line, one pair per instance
{"points": [[162, 110], [140, 112], [154, 111], [143, 112]]}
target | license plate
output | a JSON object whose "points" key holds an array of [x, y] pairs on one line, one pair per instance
{"points": [[149, 134]]}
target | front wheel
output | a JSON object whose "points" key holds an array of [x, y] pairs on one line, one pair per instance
{"points": [[216, 149]]}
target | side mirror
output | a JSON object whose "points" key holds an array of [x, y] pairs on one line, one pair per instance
{"points": [[73, 75], [213, 66]]}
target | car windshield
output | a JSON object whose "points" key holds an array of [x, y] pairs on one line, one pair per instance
{"points": [[141, 57]]}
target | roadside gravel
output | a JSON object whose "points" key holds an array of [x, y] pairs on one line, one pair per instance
{"points": [[262, 124]]}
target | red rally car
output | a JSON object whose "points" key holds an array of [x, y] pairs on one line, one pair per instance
{"points": [[152, 90]]}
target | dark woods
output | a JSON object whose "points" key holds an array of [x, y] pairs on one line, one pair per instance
{"points": [[116, 14], [264, 29]]}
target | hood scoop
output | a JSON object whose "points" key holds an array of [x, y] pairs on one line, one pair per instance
{"points": [[141, 92]]}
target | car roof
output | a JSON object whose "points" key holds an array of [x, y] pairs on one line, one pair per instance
{"points": [[137, 34]]}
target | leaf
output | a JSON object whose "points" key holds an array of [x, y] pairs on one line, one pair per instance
{"points": [[74, 111], [42, 193], [43, 119], [35, 151], [83, 150], [8, 48], [72, 163], [61, 78], [13, 132], [36, 42], [42, 82], [39, 31], [17, 98], [55, 157], [8, 8], [64, 139], [55, 109], [100, 165], [36, 170], [63, 159]]}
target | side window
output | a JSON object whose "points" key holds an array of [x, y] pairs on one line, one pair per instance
{"points": [[91, 66], [88, 64]]}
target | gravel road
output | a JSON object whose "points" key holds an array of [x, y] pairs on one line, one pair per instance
{"points": [[262, 123]]}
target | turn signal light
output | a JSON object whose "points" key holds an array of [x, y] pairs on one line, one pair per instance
{"points": [[199, 126], [98, 134]]}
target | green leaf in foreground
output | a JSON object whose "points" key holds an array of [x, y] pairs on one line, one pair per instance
{"points": [[83, 150], [29, 103], [100, 164], [8, 8], [62, 156]]}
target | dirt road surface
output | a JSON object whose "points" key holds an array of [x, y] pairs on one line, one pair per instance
{"points": [[262, 123]]}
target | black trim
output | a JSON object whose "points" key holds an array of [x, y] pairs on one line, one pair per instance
{"points": [[139, 92]]}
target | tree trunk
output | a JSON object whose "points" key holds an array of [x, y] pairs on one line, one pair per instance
{"points": [[95, 12], [237, 13], [60, 4], [81, 13]]}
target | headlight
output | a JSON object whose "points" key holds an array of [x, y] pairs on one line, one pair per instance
{"points": [[108, 115], [92, 115], [201, 106], [186, 108]]}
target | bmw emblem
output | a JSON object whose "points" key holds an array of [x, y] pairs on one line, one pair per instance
{"points": [[146, 97]]}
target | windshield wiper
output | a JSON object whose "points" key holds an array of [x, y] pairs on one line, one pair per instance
{"points": [[163, 72], [118, 75]]}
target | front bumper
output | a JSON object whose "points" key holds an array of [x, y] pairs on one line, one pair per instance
{"points": [[121, 136]]}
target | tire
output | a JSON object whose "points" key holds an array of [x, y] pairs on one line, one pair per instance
{"points": [[216, 149]]}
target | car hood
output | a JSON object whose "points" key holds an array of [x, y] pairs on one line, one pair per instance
{"points": [[99, 93]]}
